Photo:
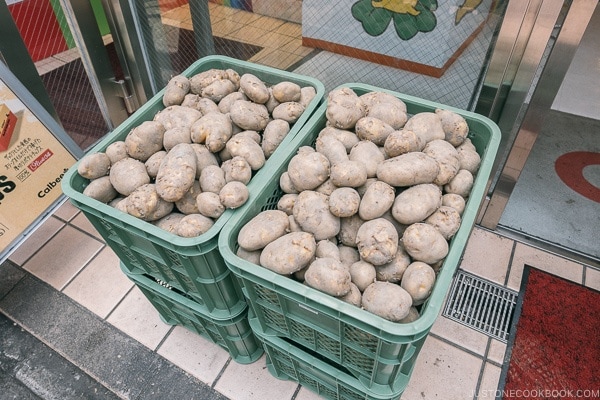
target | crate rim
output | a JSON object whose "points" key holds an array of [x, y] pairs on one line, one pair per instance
{"points": [[157, 235], [362, 318]]}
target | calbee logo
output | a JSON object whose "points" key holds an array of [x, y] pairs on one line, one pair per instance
{"points": [[51, 185]]}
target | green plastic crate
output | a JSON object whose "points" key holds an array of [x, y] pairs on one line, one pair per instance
{"points": [[192, 265], [373, 349], [288, 361], [233, 333]]}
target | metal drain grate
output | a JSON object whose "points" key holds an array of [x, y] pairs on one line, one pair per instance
{"points": [[482, 305]]}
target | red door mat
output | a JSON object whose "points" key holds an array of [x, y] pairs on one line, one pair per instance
{"points": [[553, 349]]}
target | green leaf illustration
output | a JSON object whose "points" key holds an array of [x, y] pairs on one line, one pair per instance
{"points": [[429, 4], [405, 26], [426, 20], [374, 20]]}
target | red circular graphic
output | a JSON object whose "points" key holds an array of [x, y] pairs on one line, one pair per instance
{"points": [[569, 168]]}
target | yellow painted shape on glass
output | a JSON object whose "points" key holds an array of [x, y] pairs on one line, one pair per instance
{"points": [[397, 6]]}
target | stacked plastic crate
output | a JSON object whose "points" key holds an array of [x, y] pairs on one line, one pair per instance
{"points": [[186, 279], [334, 348]]}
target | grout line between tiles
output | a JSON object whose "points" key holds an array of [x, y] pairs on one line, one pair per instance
{"points": [[221, 372]]}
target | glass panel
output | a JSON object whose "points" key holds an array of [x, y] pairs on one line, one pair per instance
{"points": [[434, 50], [50, 44]]}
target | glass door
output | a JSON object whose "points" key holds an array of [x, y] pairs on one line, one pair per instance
{"points": [[548, 192]]}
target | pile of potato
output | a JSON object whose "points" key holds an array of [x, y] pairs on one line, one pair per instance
{"points": [[368, 211], [183, 169]]}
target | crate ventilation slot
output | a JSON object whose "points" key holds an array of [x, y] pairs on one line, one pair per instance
{"points": [[481, 305]]}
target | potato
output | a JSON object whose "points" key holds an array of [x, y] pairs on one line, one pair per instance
{"points": [[332, 148], [169, 222], [418, 281], [212, 179], [311, 212], [234, 194], [348, 174], [408, 169], [285, 183], [328, 275], [373, 129], [327, 249], [393, 271], [344, 108], [377, 241], [377, 199], [294, 227], [392, 114], [247, 148], [348, 255], [176, 173], [427, 125], [203, 79], [226, 102], [344, 202], [272, 102], [446, 220], [289, 111], [237, 169], [289, 253], [412, 316], [207, 106], [193, 225], [175, 136], [101, 189], [250, 256], [307, 94], [286, 91], [354, 296], [362, 274], [348, 138], [371, 99], [468, 159], [416, 203], [286, 203], [274, 133], [176, 116], [187, 204], [461, 184], [454, 125], [248, 115], [209, 205], [262, 229], [424, 243], [369, 154], [145, 203], [128, 174], [307, 170], [447, 158], [176, 89], [144, 140], [119, 203], [116, 151], [402, 141], [254, 88], [94, 165], [455, 201], [204, 158], [213, 129], [219, 89], [387, 300], [348, 229], [153, 163], [326, 187]]}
